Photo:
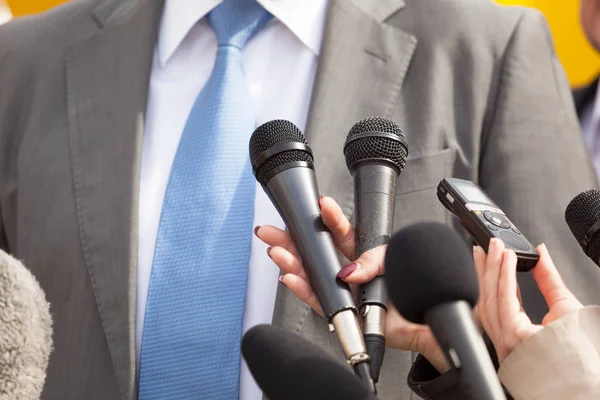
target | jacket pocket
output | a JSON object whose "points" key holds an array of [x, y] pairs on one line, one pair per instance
{"points": [[416, 198]]}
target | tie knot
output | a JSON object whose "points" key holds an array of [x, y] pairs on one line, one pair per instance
{"points": [[236, 21]]}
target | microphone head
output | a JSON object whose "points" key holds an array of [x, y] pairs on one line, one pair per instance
{"points": [[276, 144], [581, 214], [376, 139], [25, 331], [288, 367], [428, 264]]}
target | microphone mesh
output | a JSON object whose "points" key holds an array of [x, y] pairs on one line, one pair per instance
{"points": [[271, 134], [581, 213], [376, 147]]}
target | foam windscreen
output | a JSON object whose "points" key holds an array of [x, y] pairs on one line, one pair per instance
{"points": [[288, 367], [428, 264]]}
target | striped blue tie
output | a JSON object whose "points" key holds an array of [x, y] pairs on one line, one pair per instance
{"points": [[193, 322]]}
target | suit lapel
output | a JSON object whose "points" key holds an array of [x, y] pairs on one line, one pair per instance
{"points": [[362, 65], [107, 84]]}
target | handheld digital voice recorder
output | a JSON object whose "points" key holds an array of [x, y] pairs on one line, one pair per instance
{"points": [[484, 220]]}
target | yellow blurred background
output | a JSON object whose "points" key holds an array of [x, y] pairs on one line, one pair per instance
{"points": [[579, 59]]}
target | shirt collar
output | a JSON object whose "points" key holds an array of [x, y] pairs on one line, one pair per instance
{"points": [[305, 19]]}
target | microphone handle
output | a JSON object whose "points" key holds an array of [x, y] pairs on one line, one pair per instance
{"points": [[295, 194], [374, 191], [453, 327]]}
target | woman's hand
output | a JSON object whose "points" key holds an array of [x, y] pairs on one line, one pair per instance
{"points": [[400, 334], [499, 307]]}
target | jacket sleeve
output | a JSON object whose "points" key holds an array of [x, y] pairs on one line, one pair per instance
{"points": [[562, 361], [428, 383]]}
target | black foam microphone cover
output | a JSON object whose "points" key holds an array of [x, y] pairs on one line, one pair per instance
{"points": [[432, 280], [583, 217], [428, 264], [288, 367]]}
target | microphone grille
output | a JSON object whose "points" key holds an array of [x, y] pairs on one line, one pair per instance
{"points": [[581, 213], [271, 134], [376, 147]]}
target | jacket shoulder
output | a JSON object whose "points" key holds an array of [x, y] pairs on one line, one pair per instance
{"points": [[471, 23], [42, 34]]}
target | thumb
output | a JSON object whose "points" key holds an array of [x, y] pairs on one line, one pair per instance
{"points": [[365, 268], [549, 280]]}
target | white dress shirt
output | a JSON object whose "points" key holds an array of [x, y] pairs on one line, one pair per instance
{"points": [[590, 123], [279, 65]]}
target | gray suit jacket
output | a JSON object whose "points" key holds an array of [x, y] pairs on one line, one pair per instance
{"points": [[476, 88]]}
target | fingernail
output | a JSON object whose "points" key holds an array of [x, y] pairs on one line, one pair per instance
{"points": [[256, 228], [493, 244], [269, 250], [281, 280], [320, 200], [347, 270]]}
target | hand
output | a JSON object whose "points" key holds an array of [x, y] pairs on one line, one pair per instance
{"points": [[400, 334], [499, 307]]}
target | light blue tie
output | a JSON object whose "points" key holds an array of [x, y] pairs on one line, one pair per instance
{"points": [[193, 322]]}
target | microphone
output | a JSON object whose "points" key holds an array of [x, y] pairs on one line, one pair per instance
{"points": [[288, 367], [375, 152], [283, 163], [25, 332], [431, 280], [583, 217]]}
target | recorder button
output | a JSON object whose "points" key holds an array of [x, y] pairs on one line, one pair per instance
{"points": [[497, 219]]}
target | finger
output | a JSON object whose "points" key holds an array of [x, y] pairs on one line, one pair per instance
{"points": [[519, 297], [276, 237], [302, 290], [549, 280], [368, 266], [341, 230], [508, 302], [479, 258], [491, 278], [287, 262]]}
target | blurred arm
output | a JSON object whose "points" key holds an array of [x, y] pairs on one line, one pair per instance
{"points": [[560, 362], [5, 14]]}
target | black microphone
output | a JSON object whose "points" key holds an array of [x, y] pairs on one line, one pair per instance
{"points": [[431, 280], [583, 217], [283, 164], [375, 152], [25, 332], [288, 367]]}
